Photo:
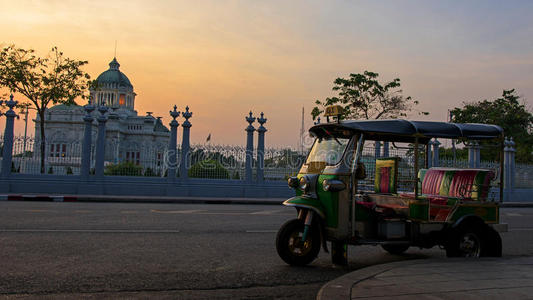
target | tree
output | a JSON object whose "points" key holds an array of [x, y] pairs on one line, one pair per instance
{"points": [[363, 97], [54, 79], [507, 112]]}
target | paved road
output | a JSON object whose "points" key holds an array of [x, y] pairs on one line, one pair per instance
{"points": [[117, 250]]}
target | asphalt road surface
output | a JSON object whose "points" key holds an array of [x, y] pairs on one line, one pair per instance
{"points": [[175, 251]]}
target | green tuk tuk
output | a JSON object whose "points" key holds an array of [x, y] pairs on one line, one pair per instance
{"points": [[447, 207]]}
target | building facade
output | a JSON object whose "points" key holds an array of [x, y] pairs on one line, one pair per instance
{"points": [[141, 140]]}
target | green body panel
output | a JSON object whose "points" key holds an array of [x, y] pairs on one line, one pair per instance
{"points": [[329, 200], [446, 183], [489, 213], [478, 187], [418, 210], [306, 202], [363, 213]]}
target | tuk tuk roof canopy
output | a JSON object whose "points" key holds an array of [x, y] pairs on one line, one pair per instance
{"points": [[399, 130]]}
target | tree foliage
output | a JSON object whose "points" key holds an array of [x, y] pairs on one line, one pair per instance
{"points": [[506, 111], [53, 79], [363, 97]]}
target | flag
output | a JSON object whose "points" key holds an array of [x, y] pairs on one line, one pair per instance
{"points": [[208, 138]]}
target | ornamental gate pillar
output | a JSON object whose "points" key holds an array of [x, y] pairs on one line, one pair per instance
{"points": [[87, 142], [172, 145], [249, 148], [100, 143], [430, 154], [185, 144], [385, 149], [377, 150], [261, 149], [436, 154], [509, 168], [7, 154]]}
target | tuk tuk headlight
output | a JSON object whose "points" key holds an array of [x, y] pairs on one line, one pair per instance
{"points": [[333, 185], [304, 184], [293, 182]]}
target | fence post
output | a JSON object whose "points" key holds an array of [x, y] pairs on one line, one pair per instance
{"points": [[436, 158], [87, 142], [100, 142], [7, 154], [471, 155], [429, 154], [249, 148], [477, 154], [172, 145], [385, 149], [261, 149], [377, 150], [185, 144], [509, 153], [512, 161]]}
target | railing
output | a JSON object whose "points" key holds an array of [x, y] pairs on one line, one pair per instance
{"points": [[216, 162], [205, 161]]}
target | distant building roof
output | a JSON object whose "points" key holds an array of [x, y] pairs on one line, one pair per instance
{"points": [[159, 127], [64, 107]]}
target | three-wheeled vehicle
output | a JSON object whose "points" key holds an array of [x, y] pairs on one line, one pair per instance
{"points": [[447, 207]]}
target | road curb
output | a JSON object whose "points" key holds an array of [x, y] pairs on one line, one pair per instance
{"points": [[139, 199], [180, 200], [517, 204], [341, 288]]}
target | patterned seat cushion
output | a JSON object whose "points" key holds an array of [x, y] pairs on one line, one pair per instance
{"points": [[458, 183], [386, 175]]}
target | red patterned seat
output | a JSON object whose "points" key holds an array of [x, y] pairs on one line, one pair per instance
{"points": [[443, 185]]}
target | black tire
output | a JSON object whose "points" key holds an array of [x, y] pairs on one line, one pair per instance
{"points": [[474, 241], [395, 249], [339, 253], [289, 247]]}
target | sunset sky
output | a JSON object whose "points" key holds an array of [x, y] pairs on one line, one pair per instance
{"points": [[225, 58]]}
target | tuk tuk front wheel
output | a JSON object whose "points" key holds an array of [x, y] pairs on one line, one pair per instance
{"points": [[290, 246]]}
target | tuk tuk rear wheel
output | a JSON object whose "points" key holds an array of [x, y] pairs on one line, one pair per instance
{"points": [[290, 246], [467, 242]]}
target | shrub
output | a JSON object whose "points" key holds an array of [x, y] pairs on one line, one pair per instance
{"points": [[124, 168], [69, 171], [208, 169], [149, 172]]}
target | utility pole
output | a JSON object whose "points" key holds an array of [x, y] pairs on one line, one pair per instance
{"points": [[25, 111]]}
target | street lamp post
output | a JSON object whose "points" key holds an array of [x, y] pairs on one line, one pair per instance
{"points": [[25, 110]]}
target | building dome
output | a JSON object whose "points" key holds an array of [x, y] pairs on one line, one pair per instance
{"points": [[113, 76], [113, 89]]}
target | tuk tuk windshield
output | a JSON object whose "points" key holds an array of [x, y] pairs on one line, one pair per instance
{"points": [[328, 150]]}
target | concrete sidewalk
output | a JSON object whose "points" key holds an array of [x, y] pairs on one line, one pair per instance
{"points": [[485, 278]]}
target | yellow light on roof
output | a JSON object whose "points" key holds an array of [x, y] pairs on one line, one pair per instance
{"points": [[333, 111]]}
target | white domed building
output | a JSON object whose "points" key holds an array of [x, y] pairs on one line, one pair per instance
{"points": [[129, 137]]}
